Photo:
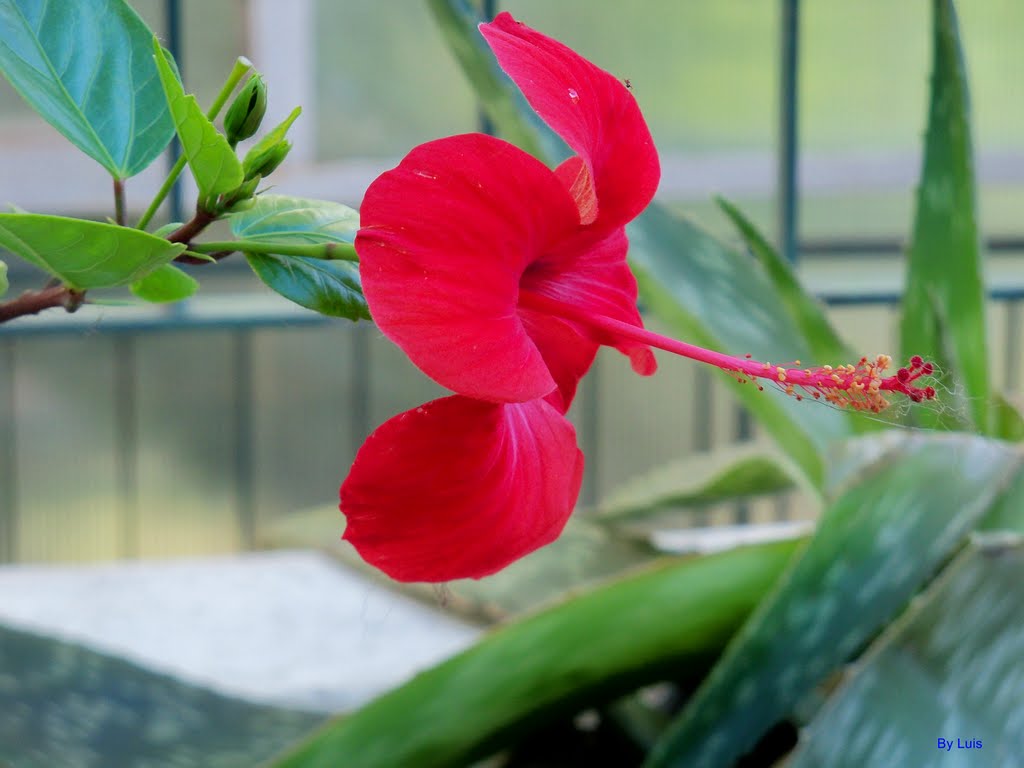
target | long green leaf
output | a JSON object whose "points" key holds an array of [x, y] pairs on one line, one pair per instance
{"points": [[695, 481], [499, 98], [711, 295], [807, 312], [943, 685], [4, 285], [671, 619], [875, 547], [86, 66], [214, 165], [84, 254], [944, 302]]}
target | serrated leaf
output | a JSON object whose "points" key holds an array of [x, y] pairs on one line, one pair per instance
{"points": [[944, 300], [727, 474], [84, 254], [669, 619], [950, 668], [328, 287], [86, 67], [295, 220], [213, 163], [874, 548], [165, 283], [62, 704]]}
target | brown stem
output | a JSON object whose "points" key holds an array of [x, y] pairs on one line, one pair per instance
{"points": [[34, 302], [190, 229], [119, 201]]}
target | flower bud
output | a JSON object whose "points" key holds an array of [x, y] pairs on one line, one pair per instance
{"points": [[261, 161], [246, 112]]}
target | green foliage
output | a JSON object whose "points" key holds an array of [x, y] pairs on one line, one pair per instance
{"points": [[329, 287], [825, 344], [863, 565], [694, 482], [165, 283], [64, 705], [86, 67], [669, 619], [949, 668], [4, 285], [944, 300], [271, 150], [213, 162], [84, 254]]}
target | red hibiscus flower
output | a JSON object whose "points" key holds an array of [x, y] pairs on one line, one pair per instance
{"points": [[500, 278]]}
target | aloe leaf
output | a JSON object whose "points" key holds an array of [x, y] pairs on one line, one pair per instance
{"points": [[693, 482], [86, 67], [942, 685], [668, 620], [876, 545], [944, 301]]}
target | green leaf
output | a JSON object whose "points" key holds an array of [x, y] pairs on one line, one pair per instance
{"points": [[711, 295], [64, 705], [668, 620], [295, 220], [165, 283], [807, 313], [84, 254], [950, 668], [584, 553], [4, 285], [695, 481], [214, 164], [87, 68], [944, 300], [874, 548], [328, 287]]}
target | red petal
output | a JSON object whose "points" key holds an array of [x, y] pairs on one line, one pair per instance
{"points": [[444, 241], [589, 270], [589, 108], [460, 488]]}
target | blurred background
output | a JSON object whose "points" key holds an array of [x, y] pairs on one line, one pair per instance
{"points": [[195, 429]]}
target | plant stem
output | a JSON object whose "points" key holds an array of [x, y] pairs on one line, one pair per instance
{"points": [[119, 201], [242, 65], [34, 302], [334, 251]]}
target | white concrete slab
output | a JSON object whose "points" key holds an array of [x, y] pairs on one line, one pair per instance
{"points": [[284, 627]]}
